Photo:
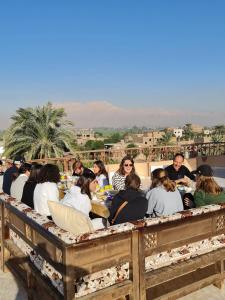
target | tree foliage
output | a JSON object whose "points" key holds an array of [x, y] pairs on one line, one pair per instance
{"points": [[39, 132], [94, 145]]}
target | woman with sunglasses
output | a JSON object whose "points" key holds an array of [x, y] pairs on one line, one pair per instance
{"points": [[126, 168]]}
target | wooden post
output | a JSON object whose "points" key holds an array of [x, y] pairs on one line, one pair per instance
{"points": [[135, 266]]}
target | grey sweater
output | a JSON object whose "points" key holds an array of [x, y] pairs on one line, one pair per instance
{"points": [[163, 203]]}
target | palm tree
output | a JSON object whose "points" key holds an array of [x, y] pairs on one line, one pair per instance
{"points": [[39, 132], [218, 134]]}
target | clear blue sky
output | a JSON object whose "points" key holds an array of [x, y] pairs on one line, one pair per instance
{"points": [[169, 54]]}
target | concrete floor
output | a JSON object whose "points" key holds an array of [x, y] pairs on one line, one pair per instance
{"points": [[10, 289]]}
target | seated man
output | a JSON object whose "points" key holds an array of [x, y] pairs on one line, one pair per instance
{"points": [[177, 171]]}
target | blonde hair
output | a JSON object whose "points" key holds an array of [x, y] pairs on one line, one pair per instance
{"points": [[160, 177], [208, 185]]}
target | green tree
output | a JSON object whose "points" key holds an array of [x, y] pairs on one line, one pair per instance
{"points": [[114, 138], [131, 145], [165, 140], [94, 145], [218, 133], [188, 133], [39, 132]]}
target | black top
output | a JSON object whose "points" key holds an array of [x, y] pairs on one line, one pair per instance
{"points": [[8, 178], [85, 170], [134, 210], [175, 175], [28, 193]]}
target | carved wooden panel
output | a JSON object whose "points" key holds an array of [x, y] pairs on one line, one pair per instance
{"points": [[150, 240], [220, 222]]}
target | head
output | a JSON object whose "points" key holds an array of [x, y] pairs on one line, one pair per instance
{"points": [[49, 173], [18, 161], [126, 166], [87, 182], [99, 168], [78, 167], [178, 161], [205, 180], [132, 181], [34, 172], [160, 178], [25, 169]]}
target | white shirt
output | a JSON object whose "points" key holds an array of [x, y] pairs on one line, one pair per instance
{"points": [[17, 186], [102, 180], [75, 199], [44, 192]]}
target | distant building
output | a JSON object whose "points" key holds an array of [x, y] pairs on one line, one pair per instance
{"points": [[178, 132], [84, 135], [207, 131], [149, 138], [197, 128]]}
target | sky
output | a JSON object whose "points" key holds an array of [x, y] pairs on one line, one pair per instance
{"points": [[115, 62]]}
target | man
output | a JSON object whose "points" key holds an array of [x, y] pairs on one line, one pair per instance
{"points": [[8, 175], [177, 171]]}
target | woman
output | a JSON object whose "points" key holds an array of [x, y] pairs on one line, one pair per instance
{"points": [[79, 169], [126, 168], [46, 189], [18, 183], [129, 204], [79, 196], [207, 190], [163, 198], [28, 190], [101, 173]]}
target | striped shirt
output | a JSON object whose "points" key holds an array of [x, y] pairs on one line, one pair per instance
{"points": [[118, 181]]}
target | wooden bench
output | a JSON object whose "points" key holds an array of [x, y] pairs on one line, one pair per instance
{"points": [[161, 258]]}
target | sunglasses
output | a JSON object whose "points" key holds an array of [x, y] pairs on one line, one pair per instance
{"points": [[128, 165]]}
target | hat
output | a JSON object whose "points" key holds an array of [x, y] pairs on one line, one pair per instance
{"points": [[204, 170], [18, 160]]}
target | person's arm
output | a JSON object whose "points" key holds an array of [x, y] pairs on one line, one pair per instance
{"points": [[151, 202], [189, 174]]}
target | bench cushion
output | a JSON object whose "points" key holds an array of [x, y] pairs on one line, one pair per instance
{"points": [[69, 218]]}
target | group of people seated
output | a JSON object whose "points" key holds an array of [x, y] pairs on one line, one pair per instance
{"points": [[35, 185]]}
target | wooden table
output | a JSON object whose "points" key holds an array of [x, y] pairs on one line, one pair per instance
{"points": [[98, 207]]}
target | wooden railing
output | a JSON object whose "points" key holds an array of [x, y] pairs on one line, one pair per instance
{"points": [[165, 258], [139, 154]]}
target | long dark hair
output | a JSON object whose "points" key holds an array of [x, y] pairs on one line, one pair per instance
{"points": [[102, 169], [22, 170], [160, 177], [208, 185], [121, 167], [34, 173], [84, 181], [49, 173]]}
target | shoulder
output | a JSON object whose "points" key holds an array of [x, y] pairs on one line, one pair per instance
{"points": [[169, 167]]}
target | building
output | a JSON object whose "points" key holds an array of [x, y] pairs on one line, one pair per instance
{"points": [[178, 132], [84, 135]]}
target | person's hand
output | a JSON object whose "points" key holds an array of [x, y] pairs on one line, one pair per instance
{"points": [[183, 181]]}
